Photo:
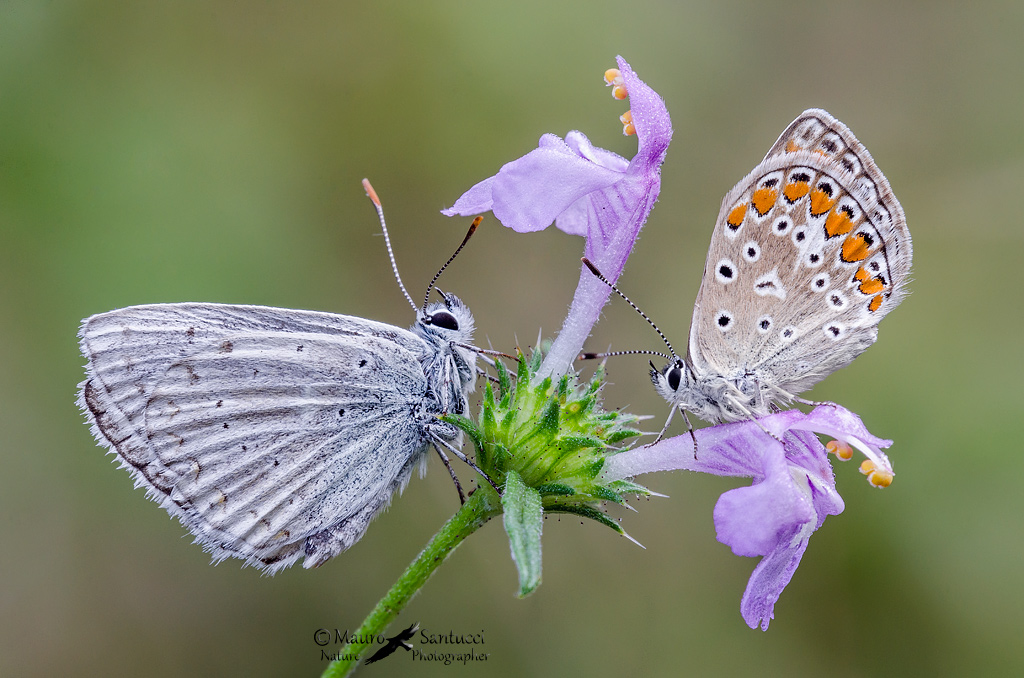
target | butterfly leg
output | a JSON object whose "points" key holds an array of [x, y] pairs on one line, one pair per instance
{"points": [[469, 462], [671, 413], [782, 394], [766, 430], [481, 372], [689, 427], [448, 464], [812, 403], [750, 415], [483, 353], [668, 421]]}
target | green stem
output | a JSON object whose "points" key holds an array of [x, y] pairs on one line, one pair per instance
{"points": [[481, 506]]}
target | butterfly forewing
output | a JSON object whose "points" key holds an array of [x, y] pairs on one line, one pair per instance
{"points": [[809, 252], [270, 433]]}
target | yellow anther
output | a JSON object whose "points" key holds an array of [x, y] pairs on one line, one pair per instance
{"points": [[880, 479], [877, 477], [628, 128], [842, 450], [613, 77]]}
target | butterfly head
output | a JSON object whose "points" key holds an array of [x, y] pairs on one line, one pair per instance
{"points": [[449, 320], [448, 325], [672, 381]]}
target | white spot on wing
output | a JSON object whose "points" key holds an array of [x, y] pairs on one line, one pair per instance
{"points": [[782, 225], [751, 251], [837, 301], [834, 331], [725, 271], [724, 320], [769, 284]]}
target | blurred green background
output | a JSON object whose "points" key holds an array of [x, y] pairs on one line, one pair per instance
{"points": [[212, 151]]}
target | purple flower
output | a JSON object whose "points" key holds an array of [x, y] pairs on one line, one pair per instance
{"points": [[792, 493], [584, 190]]}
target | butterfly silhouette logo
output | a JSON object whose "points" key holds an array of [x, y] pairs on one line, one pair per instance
{"points": [[394, 642]]}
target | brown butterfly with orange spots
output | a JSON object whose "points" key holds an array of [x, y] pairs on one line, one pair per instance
{"points": [[810, 251]]}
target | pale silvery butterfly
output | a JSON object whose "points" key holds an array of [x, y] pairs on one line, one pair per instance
{"points": [[274, 434], [810, 251]]}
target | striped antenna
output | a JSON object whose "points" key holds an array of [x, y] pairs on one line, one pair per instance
{"points": [[612, 354], [593, 269], [472, 230], [372, 194]]}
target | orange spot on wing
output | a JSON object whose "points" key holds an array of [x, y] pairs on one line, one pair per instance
{"points": [[792, 147], [763, 200], [861, 274], [873, 286], [855, 248], [821, 202], [875, 303], [837, 223], [796, 190], [737, 214]]}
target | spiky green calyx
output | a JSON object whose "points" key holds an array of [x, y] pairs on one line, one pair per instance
{"points": [[555, 436]]}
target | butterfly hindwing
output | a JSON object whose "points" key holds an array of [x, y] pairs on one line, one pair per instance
{"points": [[269, 433], [809, 252]]}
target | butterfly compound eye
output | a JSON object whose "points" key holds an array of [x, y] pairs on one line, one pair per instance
{"points": [[674, 376], [443, 319]]}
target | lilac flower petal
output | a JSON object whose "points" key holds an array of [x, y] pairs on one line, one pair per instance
{"points": [[527, 194], [752, 520], [476, 200], [805, 450], [581, 145], [530, 192], [770, 577], [618, 214], [650, 118], [779, 524], [576, 218], [724, 450]]}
